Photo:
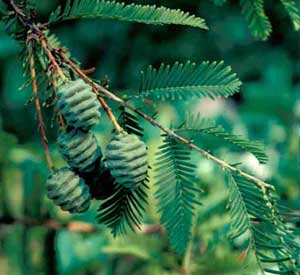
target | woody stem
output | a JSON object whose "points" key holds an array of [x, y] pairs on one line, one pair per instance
{"points": [[38, 109]]}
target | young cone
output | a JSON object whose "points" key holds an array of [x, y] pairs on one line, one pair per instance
{"points": [[126, 158], [80, 149], [68, 191], [78, 104]]}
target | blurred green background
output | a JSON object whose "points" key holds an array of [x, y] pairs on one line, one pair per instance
{"points": [[267, 109]]}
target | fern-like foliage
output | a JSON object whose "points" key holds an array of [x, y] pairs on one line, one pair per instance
{"points": [[55, 43], [120, 11], [258, 21], [254, 212], [185, 81], [197, 124], [129, 122], [124, 209], [176, 191], [293, 11]]}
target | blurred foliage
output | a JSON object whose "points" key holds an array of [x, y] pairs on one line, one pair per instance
{"points": [[267, 109]]}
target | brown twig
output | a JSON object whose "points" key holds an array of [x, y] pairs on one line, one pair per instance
{"points": [[38, 108], [223, 164], [89, 70], [151, 229], [108, 112], [52, 59], [74, 226]]}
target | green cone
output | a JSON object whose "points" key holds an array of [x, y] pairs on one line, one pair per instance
{"points": [[80, 149], [126, 158], [68, 191], [78, 104]]}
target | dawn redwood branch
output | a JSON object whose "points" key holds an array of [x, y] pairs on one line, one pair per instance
{"points": [[100, 89], [224, 165]]}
